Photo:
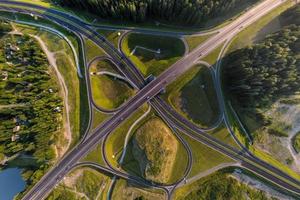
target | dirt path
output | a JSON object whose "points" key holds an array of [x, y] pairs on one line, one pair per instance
{"points": [[52, 61], [11, 106]]}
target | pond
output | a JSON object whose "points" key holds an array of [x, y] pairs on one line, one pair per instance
{"points": [[11, 183]]}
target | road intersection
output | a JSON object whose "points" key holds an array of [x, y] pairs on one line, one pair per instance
{"points": [[148, 93]]}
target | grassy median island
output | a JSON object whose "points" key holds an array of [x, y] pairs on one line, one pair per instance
{"points": [[109, 92], [223, 185], [195, 41], [193, 95], [82, 183], [204, 158], [154, 147], [152, 54], [92, 50], [111, 35], [124, 190]]}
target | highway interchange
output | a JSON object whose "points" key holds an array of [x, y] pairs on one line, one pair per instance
{"points": [[150, 93]]}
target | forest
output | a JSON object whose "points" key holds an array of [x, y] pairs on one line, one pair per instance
{"points": [[30, 106], [185, 12], [257, 76], [260, 74]]}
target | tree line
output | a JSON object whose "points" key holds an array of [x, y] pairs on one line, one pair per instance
{"points": [[258, 75], [187, 12]]}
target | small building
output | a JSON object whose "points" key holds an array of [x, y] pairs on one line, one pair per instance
{"points": [[16, 129], [50, 90], [15, 137], [4, 75], [57, 109]]}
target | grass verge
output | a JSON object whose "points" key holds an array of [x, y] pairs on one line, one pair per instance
{"points": [[193, 95], [204, 158], [152, 54], [195, 41], [109, 92]]}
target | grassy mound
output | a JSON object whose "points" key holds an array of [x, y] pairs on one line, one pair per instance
{"points": [[171, 49], [108, 91], [155, 147], [195, 97]]}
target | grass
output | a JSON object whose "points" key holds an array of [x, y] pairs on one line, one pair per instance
{"points": [[115, 140], [222, 134], [43, 3], [92, 183], [103, 65], [154, 145], [108, 92], [148, 62], [193, 95], [124, 191], [195, 41], [219, 185], [98, 118], [204, 158], [95, 155], [296, 142], [213, 56], [111, 36], [247, 36], [92, 50]]}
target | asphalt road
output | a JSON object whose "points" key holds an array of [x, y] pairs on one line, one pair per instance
{"points": [[148, 92]]}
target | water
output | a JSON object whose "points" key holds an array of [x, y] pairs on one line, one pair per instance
{"points": [[11, 183]]}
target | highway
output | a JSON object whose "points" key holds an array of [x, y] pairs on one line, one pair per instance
{"points": [[149, 91]]}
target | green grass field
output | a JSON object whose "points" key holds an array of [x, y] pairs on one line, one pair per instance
{"points": [[204, 158], [213, 56], [92, 50], [104, 65], [111, 35], [108, 92], [95, 155], [171, 49], [98, 118], [222, 134], [195, 41], [128, 191], [193, 95]]}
